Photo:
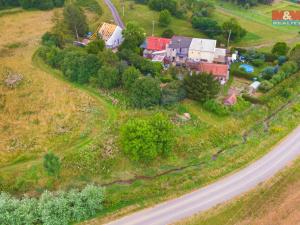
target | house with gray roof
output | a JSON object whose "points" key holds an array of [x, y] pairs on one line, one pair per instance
{"points": [[178, 49]]}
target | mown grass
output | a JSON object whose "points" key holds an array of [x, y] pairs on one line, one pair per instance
{"points": [[144, 16], [258, 22], [273, 200]]}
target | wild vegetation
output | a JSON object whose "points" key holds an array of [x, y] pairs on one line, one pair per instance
{"points": [[111, 97], [51, 209], [32, 4]]}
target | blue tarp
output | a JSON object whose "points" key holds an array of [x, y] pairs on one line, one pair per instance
{"points": [[247, 68]]}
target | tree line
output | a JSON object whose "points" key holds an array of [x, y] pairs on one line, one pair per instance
{"points": [[32, 4], [61, 208]]}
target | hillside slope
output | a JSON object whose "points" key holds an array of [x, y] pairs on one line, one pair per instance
{"points": [[42, 113]]}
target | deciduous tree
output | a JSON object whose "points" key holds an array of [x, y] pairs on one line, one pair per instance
{"points": [[145, 92]]}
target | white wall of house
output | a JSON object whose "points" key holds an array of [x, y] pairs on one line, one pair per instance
{"points": [[202, 50], [197, 56], [116, 39]]}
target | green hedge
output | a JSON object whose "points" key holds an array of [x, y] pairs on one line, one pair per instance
{"points": [[61, 208]]}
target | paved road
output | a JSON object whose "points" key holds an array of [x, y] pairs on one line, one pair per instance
{"points": [[115, 13], [220, 191]]}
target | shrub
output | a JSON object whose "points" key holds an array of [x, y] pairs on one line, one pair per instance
{"points": [[265, 86], [289, 68], [201, 87], [129, 76], [168, 33], [295, 54], [43, 5], [207, 25], [251, 99], [285, 93], [51, 209], [173, 92], [282, 60], [78, 66], [159, 5], [277, 78], [52, 164], [241, 105], [108, 77], [280, 49], [145, 92], [240, 72], [268, 72], [257, 62], [164, 18], [91, 5], [95, 47], [51, 55], [51, 39], [144, 140], [216, 108], [269, 57]]}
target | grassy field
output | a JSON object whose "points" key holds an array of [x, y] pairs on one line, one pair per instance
{"points": [[277, 200], [144, 16], [42, 113], [81, 125], [257, 21]]}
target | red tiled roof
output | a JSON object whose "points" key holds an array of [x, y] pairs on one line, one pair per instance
{"points": [[157, 43], [231, 100], [219, 70]]}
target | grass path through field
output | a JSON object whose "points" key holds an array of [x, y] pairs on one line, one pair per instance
{"points": [[44, 87]]}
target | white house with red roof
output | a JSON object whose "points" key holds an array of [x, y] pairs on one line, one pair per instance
{"points": [[155, 46]]}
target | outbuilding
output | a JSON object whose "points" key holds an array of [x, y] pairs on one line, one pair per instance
{"points": [[111, 34]]}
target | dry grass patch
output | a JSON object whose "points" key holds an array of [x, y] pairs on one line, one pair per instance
{"points": [[42, 112]]}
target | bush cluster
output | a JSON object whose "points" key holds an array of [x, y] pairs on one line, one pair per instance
{"points": [[216, 108], [285, 71], [52, 209], [146, 139], [29, 4]]}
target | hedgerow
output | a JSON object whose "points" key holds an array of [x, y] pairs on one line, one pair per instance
{"points": [[52, 208]]}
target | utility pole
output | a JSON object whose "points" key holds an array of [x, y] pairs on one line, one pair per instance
{"points": [[153, 27], [123, 7], [76, 32], [229, 36]]}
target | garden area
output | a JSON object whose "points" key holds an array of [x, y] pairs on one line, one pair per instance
{"points": [[267, 69]]}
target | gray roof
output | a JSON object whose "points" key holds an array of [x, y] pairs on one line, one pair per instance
{"points": [[180, 42]]}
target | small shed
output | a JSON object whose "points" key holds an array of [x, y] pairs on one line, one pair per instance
{"points": [[231, 99], [254, 87]]}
